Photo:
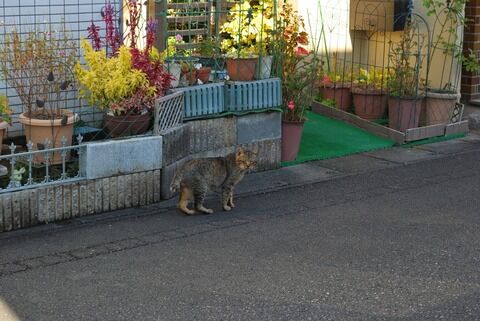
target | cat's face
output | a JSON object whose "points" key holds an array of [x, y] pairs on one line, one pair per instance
{"points": [[246, 159]]}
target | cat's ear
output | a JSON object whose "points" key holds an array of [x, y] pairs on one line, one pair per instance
{"points": [[240, 152]]}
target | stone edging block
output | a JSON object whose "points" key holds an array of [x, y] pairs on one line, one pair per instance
{"points": [[118, 157], [257, 127]]}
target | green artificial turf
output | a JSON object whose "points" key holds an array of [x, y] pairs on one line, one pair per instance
{"points": [[324, 138]]}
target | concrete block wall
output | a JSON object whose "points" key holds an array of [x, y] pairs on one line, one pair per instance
{"points": [[219, 137], [86, 197], [138, 171]]}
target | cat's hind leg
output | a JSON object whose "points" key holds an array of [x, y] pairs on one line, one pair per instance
{"points": [[199, 197], [185, 196]]}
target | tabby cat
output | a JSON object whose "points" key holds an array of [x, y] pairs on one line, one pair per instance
{"points": [[199, 176]]}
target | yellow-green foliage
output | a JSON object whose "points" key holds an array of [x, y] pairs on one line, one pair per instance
{"points": [[249, 29], [105, 81], [5, 110], [374, 78]]}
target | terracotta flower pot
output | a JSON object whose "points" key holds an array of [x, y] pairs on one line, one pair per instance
{"points": [[291, 138], [241, 69], [403, 112], [204, 74], [190, 77], [369, 104], [38, 130], [438, 108], [341, 93], [127, 125], [3, 133]]}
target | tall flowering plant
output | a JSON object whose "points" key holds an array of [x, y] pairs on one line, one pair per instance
{"points": [[122, 79], [297, 70], [248, 29]]}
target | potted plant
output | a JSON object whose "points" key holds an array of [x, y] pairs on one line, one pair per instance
{"points": [[369, 93], [172, 57], [189, 72], [336, 85], [208, 53], [5, 119], [447, 50], [297, 72], [124, 82], [38, 65], [405, 99], [245, 37]]}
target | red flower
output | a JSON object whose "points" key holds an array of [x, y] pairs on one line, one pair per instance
{"points": [[291, 105], [326, 80], [302, 51]]}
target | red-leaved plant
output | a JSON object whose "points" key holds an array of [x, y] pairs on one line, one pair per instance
{"points": [[296, 71], [147, 60]]}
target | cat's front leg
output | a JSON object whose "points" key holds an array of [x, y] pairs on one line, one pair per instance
{"points": [[230, 199], [199, 197], [226, 199]]}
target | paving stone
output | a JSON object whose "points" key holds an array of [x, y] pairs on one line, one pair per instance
{"points": [[355, 163], [292, 175], [448, 147], [474, 120], [471, 138], [401, 154]]}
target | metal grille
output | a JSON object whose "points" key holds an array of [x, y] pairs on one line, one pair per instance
{"points": [[39, 15], [168, 112], [40, 167]]}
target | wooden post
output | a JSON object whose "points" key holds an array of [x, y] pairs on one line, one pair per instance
{"points": [[157, 9]]}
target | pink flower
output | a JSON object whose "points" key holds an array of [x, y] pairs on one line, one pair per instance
{"points": [[291, 105], [178, 38]]}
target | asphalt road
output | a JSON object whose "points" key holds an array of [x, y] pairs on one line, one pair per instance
{"points": [[402, 243]]}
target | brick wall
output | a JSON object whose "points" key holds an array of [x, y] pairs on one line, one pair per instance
{"points": [[471, 81]]}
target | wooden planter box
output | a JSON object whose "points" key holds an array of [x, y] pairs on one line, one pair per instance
{"points": [[410, 135], [252, 95]]}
